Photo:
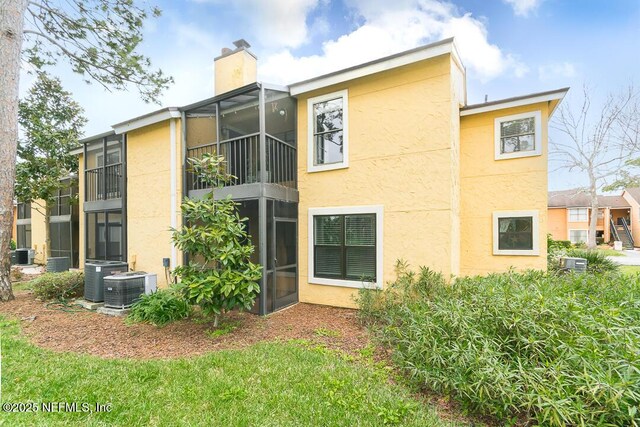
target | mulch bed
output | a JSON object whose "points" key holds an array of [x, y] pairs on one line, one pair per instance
{"points": [[87, 332]]}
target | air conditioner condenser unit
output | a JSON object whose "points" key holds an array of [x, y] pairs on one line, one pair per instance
{"points": [[124, 289]]}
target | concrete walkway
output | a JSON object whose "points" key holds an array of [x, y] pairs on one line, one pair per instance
{"points": [[630, 258]]}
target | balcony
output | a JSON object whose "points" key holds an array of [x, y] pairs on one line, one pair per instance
{"points": [[103, 183], [242, 156]]}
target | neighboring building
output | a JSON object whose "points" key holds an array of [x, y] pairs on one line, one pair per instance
{"points": [[618, 216], [29, 225], [339, 175]]}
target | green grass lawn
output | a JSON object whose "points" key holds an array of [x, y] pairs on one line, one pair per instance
{"points": [[269, 384], [611, 252], [630, 269]]}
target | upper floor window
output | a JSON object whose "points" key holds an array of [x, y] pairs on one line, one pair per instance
{"points": [[24, 210], [578, 215], [516, 233], [518, 135], [328, 132]]}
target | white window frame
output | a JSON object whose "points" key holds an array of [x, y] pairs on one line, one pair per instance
{"points": [[378, 210], [578, 214], [577, 229], [537, 151], [535, 238], [311, 167]]}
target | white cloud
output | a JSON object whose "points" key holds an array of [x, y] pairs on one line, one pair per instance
{"points": [[386, 28], [556, 70], [523, 7], [274, 23]]}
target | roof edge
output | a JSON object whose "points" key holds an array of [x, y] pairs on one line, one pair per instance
{"points": [[147, 119], [377, 65], [516, 101]]}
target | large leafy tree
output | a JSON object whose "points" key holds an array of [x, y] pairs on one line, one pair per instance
{"points": [[221, 276], [51, 122], [97, 38]]}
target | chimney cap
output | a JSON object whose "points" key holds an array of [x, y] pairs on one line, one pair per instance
{"points": [[242, 43]]}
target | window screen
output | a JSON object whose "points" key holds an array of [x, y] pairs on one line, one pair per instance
{"points": [[345, 247]]}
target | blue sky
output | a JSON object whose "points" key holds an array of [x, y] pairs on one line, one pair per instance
{"points": [[509, 47]]}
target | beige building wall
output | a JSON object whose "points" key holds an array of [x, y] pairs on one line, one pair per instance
{"points": [[402, 155], [154, 157], [14, 226], [490, 185], [38, 231]]}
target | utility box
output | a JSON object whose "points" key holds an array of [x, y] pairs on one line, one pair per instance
{"points": [[617, 245], [579, 265]]}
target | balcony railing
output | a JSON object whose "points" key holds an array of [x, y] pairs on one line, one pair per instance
{"points": [[103, 183], [242, 156]]}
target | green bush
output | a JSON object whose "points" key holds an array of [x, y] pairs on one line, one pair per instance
{"points": [[159, 308], [553, 245], [62, 286], [597, 261], [557, 350], [12, 245]]}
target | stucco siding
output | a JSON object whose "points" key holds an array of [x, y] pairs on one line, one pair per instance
{"points": [[558, 223], [489, 185], [402, 155], [149, 206]]}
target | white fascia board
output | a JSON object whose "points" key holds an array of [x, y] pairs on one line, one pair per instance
{"points": [[77, 151], [373, 67], [147, 120], [528, 100]]}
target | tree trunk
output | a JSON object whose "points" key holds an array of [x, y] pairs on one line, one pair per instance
{"points": [[593, 217], [11, 26]]}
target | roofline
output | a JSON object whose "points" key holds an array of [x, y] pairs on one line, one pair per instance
{"points": [[516, 101], [222, 96], [94, 137], [147, 119], [378, 65]]}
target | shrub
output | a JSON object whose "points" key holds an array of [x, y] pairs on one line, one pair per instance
{"points": [[597, 261], [560, 350], [159, 308], [557, 244], [12, 245], [226, 279], [61, 286]]}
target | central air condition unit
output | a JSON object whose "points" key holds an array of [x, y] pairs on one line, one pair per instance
{"points": [[579, 265], [122, 290], [22, 256], [57, 264], [94, 273]]}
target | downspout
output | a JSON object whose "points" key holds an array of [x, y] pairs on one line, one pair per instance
{"points": [[174, 188], [185, 190]]}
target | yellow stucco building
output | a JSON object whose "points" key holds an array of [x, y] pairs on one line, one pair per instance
{"points": [[340, 175]]}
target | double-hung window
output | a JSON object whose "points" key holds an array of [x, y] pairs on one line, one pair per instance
{"points": [[578, 214], [516, 233], [518, 135], [345, 247], [578, 236], [328, 132]]}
